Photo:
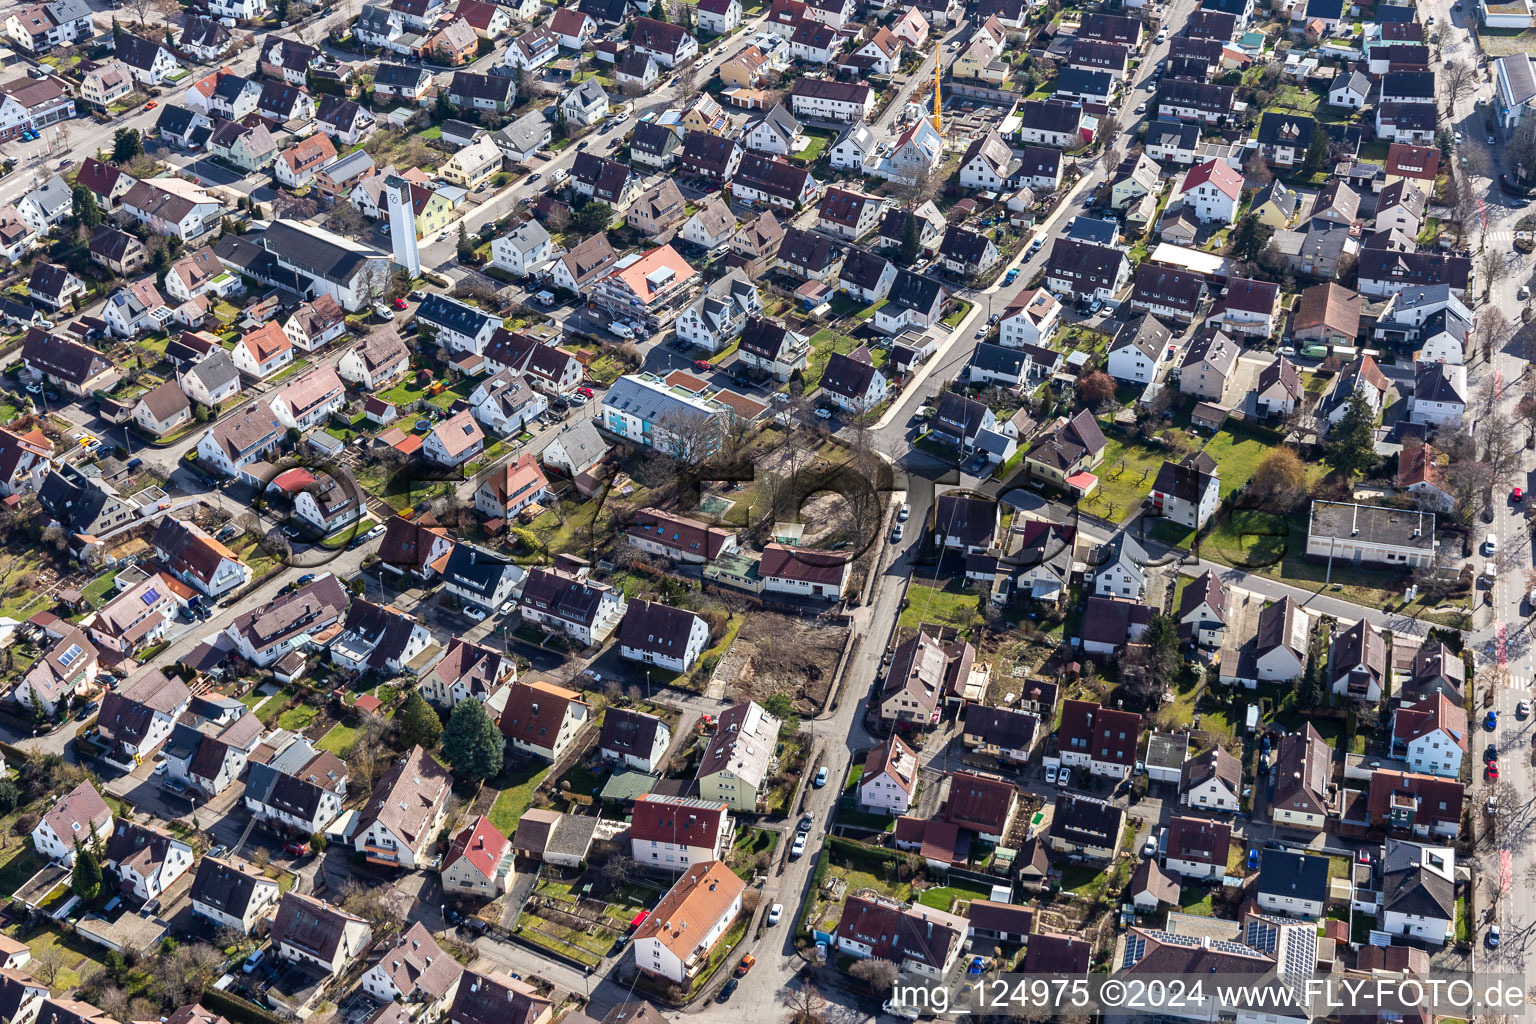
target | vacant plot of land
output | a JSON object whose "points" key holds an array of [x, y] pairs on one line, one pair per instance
{"points": [[950, 605], [516, 795], [1275, 546], [782, 654], [1125, 477], [1506, 42]]}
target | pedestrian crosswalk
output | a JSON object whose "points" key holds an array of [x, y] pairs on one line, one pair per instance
{"points": [[1498, 236]]}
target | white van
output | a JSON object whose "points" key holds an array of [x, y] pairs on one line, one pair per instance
{"points": [[559, 176]]}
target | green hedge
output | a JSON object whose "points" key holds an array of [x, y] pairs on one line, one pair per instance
{"points": [[238, 1010], [854, 853]]}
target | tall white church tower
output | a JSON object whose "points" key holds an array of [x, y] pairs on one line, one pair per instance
{"points": [[402, 224]]}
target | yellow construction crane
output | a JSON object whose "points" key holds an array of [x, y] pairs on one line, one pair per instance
{"points": [[938, 70]]}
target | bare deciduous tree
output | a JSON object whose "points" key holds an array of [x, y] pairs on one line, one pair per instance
{"points": [[1456, 81], [47, 963], [878, 974], [806, 1006], [382, 906]]}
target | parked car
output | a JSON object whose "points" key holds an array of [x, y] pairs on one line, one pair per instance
{"points": [[727, 991], [1253, 859], [745, 965], [774, 913], [383, 311], [805, 823], [821, 777], [904, 512], [295, 848], [475, 612], [254, 961], [1064, 777], [798, 848]]}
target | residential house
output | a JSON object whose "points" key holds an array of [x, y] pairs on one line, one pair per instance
{"points": [[734, 768], [1187, 492], [543, 719], [1303, 769], [1085, 271], [147, 861], [709, 896], [1209, 367], [675, 833], [230, 896], [403, 815], [1103, 740], [78, 817], [634, 738], [1140, 350], [889, 781], [1292, 883], [310, 931], [1197, 847], [1069, 448], [478, 861], [1086, 827], [1212, 782]]}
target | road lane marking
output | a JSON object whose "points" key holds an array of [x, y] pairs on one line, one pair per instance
{"points": [[1504, 870]]}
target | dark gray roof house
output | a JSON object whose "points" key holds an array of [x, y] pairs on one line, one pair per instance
{"points": [[1417, 881], [810, 253], [914, 292], [966, 521], [1284, 874]]}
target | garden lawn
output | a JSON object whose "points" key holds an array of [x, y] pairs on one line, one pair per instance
{"points": [[1237, 456], [962, 308], [826, 342], [77, 958], [818, 142], [516, 797], [1125, 477], [944, 898], [1296, 98], [296, 719], [864, 880], [21, 602], [339, 738], [1195, 900], [950, 607], [606, 369], [21, 863], [99, 589]]}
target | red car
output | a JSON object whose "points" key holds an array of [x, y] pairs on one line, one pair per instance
{"points": [[702, 365], [1493, 772], [401, 304], [586, 392], [1517, 494], [296, 848], [150, 105]]}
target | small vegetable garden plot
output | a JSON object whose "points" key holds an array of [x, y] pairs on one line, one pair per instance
{"points": [[568, 921]]}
